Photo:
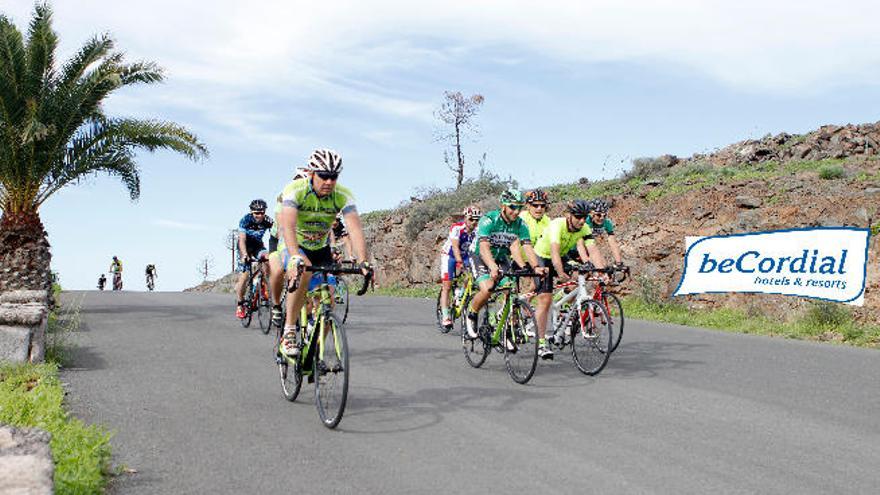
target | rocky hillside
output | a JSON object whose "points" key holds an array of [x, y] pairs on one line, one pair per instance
{"points": [[827, 177], [226, 284]]}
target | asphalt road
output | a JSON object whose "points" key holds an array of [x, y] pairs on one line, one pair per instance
{"points": [[196, 405]]}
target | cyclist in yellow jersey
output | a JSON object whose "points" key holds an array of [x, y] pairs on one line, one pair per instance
{"points": [[535, 214], [561, 236], [309, 207]]}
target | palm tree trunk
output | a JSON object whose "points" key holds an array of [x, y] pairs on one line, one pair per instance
{"points": [[24, 252]]}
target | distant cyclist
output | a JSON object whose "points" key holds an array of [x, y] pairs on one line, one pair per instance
{"points": [[102, 281], [251, 228], [501, 238], [151, 276], [600, 224], [116, 270], [456, 255], [340, 241]]}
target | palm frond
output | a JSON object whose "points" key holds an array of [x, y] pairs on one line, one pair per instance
{"points": [[13, 63], [41, 45]]}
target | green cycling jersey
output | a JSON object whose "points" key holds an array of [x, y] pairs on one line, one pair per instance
{"points": [[500, 234], [607, 226], [557, 233], [536, 227], [315, 215]]}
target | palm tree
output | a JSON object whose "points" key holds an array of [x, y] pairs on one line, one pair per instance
{"points": [[54, 133]]}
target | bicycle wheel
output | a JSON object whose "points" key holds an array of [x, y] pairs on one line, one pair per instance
{"points": [[521, 343], [341, 297], [264, 310], [290, 374], [591, 337], [615, 314], [475, 350], [331, 371]]}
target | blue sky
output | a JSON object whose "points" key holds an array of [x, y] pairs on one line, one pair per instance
{"points": [[569, 86]]}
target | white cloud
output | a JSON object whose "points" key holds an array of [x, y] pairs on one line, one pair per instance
{"points": [[338, 51]]}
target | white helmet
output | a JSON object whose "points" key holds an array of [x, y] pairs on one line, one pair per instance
{"points": [[325, 160]]}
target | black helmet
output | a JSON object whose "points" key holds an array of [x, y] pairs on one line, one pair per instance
{"points": [[258, 205], [578, 208]]}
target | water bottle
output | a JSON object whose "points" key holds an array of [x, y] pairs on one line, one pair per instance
{"points": [[458, 292]]}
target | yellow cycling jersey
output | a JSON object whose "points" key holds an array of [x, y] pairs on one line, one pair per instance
{"points": [[557, 233], [536, 227]]}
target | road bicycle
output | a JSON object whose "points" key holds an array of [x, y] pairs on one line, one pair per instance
{"points": [[323, 356], [581, 322], [460, 292], [150, 283], [507, 324], [117, 280], [256, 299]]}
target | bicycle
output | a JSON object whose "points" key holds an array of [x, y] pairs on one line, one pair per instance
{"points": [[150, 283], [508, 326], [331, 380], [612, 303], [117, 280], [257, 297], [582, 322], [460, 292]]}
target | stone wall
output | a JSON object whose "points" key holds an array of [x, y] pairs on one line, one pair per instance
{"points": [[23, 320], [25, 461]]}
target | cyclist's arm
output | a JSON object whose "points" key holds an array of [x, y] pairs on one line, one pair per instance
{"points": [[615, 248], [346, 246], [556, 258], [242, 246], [582, 251], [456, 250], [486, 254], [532, 257], [356, 233], [595, 255], [288, 229]]}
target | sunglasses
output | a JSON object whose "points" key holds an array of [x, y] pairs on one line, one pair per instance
{"points": [[580, 217], [258, 212], [327, 175], [539, 205], [515, 207], [473, 219]]}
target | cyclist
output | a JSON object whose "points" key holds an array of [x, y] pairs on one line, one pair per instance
{"points": [[562, 236], [102, 281], [535, 215], [151, 274], [455, 256], [600, 224], [276, 273], [251, 228], [116, 270], [310, 205], [501, 237]]}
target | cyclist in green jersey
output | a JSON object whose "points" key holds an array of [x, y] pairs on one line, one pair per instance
{"points": [[501, 238], [309, 207], [600, 223], [561, 236], [535, 214], [276, 273]]}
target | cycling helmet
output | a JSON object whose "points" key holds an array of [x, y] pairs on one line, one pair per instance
{"points": [[325, 160], [258, 205], [536, 196], [511, 197], [599, 206], [472, 212], [301, 173], [578, 208]]}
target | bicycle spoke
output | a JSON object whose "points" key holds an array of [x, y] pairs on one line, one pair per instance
{"points": [[591, 338], [521, 344], [331, 369]]}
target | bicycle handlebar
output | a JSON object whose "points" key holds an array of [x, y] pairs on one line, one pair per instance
{"points": [[338, 268], [590, 268]]}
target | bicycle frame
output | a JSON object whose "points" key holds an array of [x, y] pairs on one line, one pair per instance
{"points": [[576, 296], [467, 290], [313, 339]]}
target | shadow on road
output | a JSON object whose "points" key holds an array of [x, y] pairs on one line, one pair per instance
{"points": [[388, 412]]}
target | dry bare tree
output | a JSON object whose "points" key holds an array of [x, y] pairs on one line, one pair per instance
{"points": [[457, 113], [205, 266], [231, 244]]}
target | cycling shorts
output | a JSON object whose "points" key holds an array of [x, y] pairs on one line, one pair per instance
{"points": [[273, 244], [318, 257], [481, 271], [447, 267]]}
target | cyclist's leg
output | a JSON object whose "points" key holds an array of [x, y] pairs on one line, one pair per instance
{"points": [[545, 299], [447, 273], [276, 277]]}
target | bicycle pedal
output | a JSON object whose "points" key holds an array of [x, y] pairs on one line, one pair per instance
{"points": [[310, 379]]}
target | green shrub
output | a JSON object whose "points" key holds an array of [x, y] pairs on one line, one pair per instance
{"points": [[645, 167], [830, 172], [648, 290], [434, 204], [827, 313]]}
